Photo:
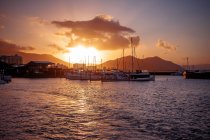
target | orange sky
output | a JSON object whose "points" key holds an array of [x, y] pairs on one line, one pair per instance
{"points": [[172, 30]]}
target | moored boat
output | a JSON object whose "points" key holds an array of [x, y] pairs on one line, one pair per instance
{"points": [[5, 79], [141, 76], [77, 75], [114, 75], [83, 75], [197, 74], [2, 82]]}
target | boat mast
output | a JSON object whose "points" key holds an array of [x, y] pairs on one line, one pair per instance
{"points": [[85, 63], [123, 60], [188, 66], [94, 63], [69, 62], [88, 63], [101, 63], [117, 64], [132, 49]]}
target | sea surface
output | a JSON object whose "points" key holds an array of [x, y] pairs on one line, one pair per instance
{"points": [[168, 109]]}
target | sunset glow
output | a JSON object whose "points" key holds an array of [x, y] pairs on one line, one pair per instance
{"points": [[58, 28], [80, 54], [104, 69]]}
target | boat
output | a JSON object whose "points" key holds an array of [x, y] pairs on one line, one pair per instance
{"points": [[114, 75], [95, 76], [83, 75], [5, 79], [197, 74], [141, 76], [77, 75], [2, 82]]}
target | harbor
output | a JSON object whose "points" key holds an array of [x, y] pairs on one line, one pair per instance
{"points": [[104, 70], [57, 108]]}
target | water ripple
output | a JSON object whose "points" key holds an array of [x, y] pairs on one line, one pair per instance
{"points": [[169, 108]]}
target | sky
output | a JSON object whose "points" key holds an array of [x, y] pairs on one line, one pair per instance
{"points": [[77, 29]]}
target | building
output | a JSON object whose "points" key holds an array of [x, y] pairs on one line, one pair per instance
{"points": [[38, 66], [12, 60]]}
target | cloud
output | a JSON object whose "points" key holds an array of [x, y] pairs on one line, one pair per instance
{"points": [[9, 46], [37, 20], [164, 45], [58, 48], [103, 32], [63, 34]]}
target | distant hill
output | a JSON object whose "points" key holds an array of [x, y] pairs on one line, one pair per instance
{"points": [[27, 57], [151, 63]]}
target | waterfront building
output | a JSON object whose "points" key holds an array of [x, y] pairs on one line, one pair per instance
{"points": [[12, 60], [38, 66]]}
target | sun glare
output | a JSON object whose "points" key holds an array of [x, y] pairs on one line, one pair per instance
{"points": [[81, 54]]}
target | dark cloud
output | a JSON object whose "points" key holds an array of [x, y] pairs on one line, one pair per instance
{"points": [[116, 41], [103, 32], [58, 48], [163, 44], [8, 46], [99, 23]]}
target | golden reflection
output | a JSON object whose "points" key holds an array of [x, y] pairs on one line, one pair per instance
{"points": [[82, 102]]}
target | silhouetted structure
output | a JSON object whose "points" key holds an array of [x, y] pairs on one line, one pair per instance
{"points": [[12, 60], [38, 66], [197, 74]]}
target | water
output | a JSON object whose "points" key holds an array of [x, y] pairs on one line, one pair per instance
{"points": [[169, 108]]}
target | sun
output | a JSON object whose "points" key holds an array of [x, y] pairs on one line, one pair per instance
{"points": [[83, 54]]}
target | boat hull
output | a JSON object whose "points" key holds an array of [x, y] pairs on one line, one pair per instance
{"points": [[150, 78], [83, 76], [196, 75]]}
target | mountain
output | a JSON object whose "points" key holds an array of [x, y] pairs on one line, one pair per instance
{"points": [[156, 64], [27, 57], [151, 63]]}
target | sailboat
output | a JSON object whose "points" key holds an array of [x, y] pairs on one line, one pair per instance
{"points": [[114, 75], [139, 75]]}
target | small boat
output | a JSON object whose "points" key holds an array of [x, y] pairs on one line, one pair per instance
{"points": [[197, 74], [5, 79], [141, 76], [2, 82]]}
